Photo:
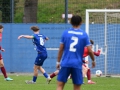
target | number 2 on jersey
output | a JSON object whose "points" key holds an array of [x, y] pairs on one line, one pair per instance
{"points": [[75, 41]]}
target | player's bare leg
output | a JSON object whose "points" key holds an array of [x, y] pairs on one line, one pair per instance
{"points": [[84, 70], [76, 87], [36, 70], [34, 76], [54, 74], [41, 69], [2, 67], [1, 63], [60, 85], [4, 71], [88, 73]]}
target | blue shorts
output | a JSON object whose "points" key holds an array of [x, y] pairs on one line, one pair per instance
{"points": [[40, 59], [77, 77]]}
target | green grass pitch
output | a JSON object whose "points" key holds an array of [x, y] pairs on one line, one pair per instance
{"points": [[103, 83]]}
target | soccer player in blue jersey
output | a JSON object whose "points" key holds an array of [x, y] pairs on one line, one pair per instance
{"points": [[38, 40], [70, 54]]}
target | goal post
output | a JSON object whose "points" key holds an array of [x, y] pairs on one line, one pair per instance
{"points": [[102, 26], [97, 10]]}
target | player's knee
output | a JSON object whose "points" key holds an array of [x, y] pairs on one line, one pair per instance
{"points": [[35, 69], [41, 68], [1, 64], [56, 72]]}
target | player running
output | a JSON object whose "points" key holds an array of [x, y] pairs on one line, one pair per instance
{"points": [[3, 70], [38, 40]]}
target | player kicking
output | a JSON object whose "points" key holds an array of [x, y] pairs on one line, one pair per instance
{"points": [[86, 69], [1, 59], [38, 40]]}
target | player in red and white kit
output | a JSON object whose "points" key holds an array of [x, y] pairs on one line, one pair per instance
{"points": [[1, 59], [86, 69]]}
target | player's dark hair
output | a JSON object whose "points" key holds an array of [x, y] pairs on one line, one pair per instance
{"points": [[76, 20], [91, 41], [1, 26], [34, 28]]}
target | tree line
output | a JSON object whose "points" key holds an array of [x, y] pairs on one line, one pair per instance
{"points": [[30, 10]]}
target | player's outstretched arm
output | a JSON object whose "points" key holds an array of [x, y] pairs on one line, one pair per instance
{"points": [[97, 53], [25, 36]]}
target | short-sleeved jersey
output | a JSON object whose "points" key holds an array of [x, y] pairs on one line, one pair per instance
{"points": [[0, 40], [74, 41], [0, 37], [85, 52], [39, 40]]}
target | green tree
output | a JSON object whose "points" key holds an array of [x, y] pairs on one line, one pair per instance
{"points": [[30, 11], [6, 11]]}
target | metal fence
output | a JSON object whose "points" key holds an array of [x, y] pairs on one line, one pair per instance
{"points": [[49, 11]]}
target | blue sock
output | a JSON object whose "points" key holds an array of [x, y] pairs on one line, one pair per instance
{"points": [[34, 78], [45, 75]]}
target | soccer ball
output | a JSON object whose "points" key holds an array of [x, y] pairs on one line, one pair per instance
{"points": [[98, 73]]}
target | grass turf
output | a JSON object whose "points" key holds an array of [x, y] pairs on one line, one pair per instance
{"points": [[103, 83]]}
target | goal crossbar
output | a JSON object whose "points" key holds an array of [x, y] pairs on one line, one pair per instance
{"points": [[96, 10], [102, 10]]}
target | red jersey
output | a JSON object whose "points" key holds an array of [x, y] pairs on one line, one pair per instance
{"points": [[0, 37], [86, 52], [0, 40]]}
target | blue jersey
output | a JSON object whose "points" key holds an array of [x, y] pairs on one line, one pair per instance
{"points": [[39, 40], [74, 41]]}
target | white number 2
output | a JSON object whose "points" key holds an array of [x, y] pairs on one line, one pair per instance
{"points": [[41, 41], [75, 41]]}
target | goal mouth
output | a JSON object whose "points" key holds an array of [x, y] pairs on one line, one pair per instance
{"points": [[103, 27]]}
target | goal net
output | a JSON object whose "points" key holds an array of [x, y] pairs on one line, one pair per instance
{"points": [[103, 27]]}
